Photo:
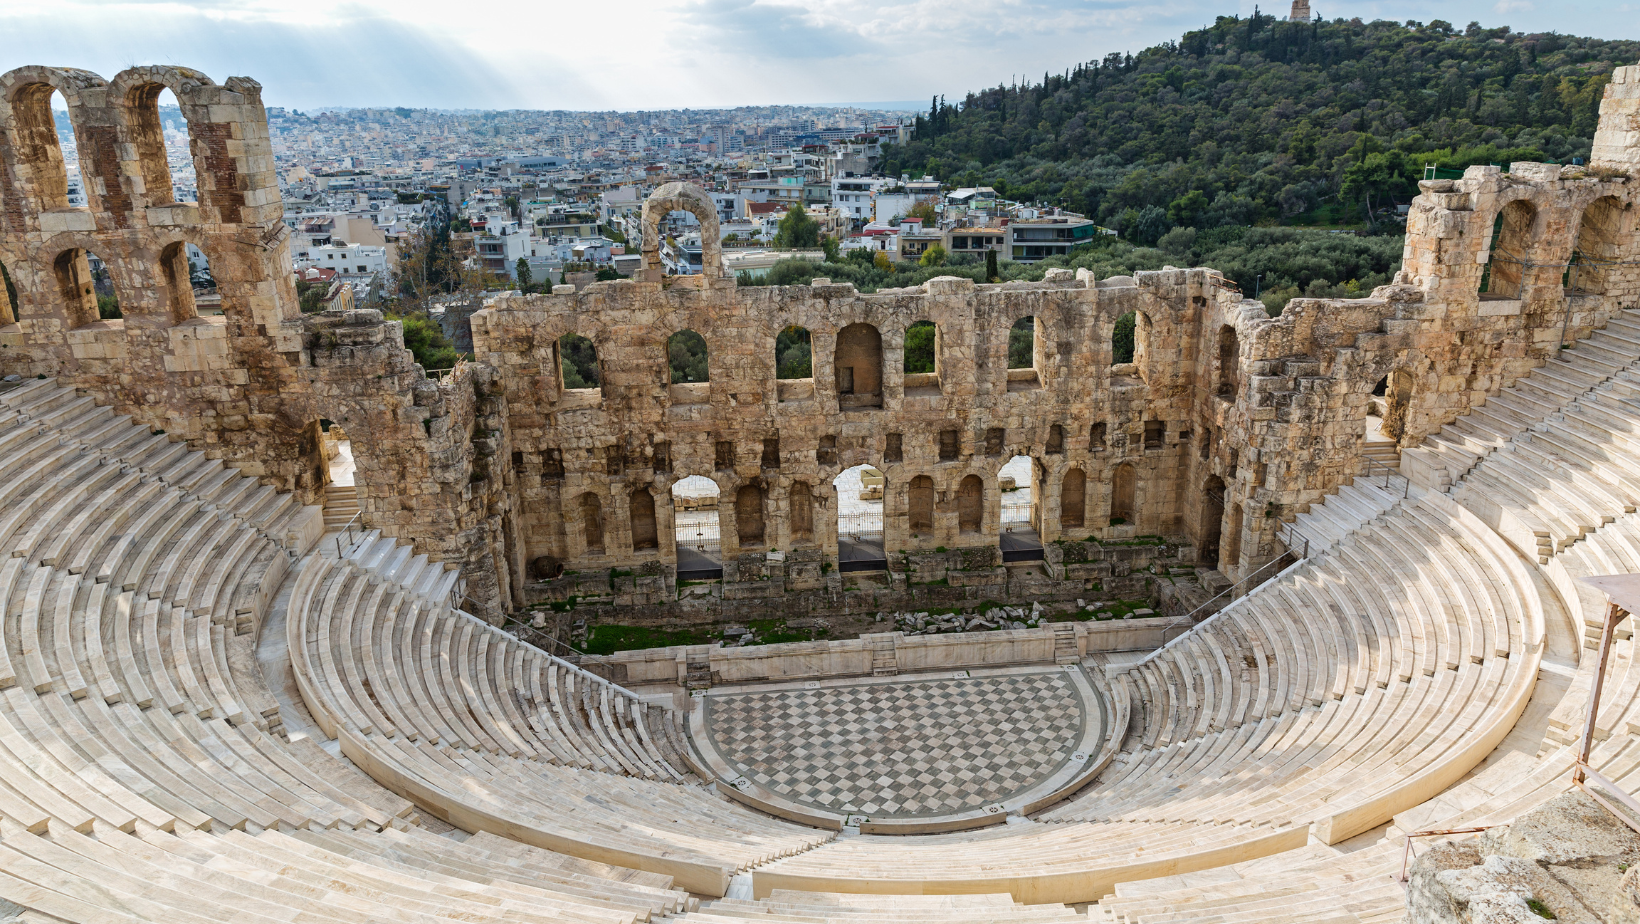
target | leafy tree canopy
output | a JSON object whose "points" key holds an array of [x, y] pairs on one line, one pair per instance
{"points": [[1258, 120], [797, 230]]}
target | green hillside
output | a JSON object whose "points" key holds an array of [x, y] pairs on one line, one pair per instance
{"points": [[1261, 121]]}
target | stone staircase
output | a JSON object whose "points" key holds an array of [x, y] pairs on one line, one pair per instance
{"points": [[1348, 509], [341, 506], [1448, 454], [884, 661], [392, 560]]}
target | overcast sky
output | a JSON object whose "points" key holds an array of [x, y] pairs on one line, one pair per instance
{"points": [[655, 54]]}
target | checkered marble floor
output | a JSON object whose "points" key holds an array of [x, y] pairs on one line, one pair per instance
{"points": [[902, 748]]}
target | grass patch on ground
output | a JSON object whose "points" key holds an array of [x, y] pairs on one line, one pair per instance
{"points": [[1116, 609], [603, 640]]}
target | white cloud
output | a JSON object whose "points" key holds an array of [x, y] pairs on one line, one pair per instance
{"points": [[652, 53]]}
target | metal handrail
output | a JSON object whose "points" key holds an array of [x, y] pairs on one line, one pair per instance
{"points": [[347, 531], [1406, 851], [567, 665], [1405, 483], [459, 600], [1190, 617]]}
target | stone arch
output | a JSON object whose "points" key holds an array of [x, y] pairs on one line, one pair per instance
{"points": [[1124, 491], [641, 514], [42, 170], [591, 510], [801, 499], [1212, 521], [749, 516], [681, 197], [1073, 490], [78, 286], [970, 504], [138, 89], [1229, 362], [920, 505], [1599, 244], [32, 168], [858, 361], [1511, 243]]}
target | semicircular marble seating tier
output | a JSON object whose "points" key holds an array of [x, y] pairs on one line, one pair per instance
{"points": [[1422, 666]]}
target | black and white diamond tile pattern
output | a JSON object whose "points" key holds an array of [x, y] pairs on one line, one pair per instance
{"points": [[913, 748]]}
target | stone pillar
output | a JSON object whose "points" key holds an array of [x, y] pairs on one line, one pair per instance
{"points": [[1617, 140]]}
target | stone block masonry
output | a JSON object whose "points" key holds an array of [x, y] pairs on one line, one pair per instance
{"points": [[1225, 423]]}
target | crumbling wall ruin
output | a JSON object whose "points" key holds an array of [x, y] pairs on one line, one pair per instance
{"points": [[1226, 422], [250, 386]]}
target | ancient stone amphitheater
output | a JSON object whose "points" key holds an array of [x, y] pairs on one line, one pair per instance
{"points": [[213, 708]]}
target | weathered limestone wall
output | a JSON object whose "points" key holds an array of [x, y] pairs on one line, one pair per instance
{"points": [[881, 653], [252, 385], [1226, 422]]}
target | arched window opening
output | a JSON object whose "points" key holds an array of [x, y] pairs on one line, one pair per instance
{"points": [[1121, 339], [1599, 237], [920, 506], [696, 528], [159, 131], [1020, 484], [802, 512], [922, 359], [1124, 490], [1024, 355], [1096, 438], [860, 519], [686, 355], [792, 356], [749, 517], [1073, 492], [578, 362], [87, 288], [592, 523], [76, 190], [1229, 361], [9, 305], [682, 249], [641, 513], [687, 367], [859, 367], [793, 364], [1511, 240], [1212, 516], [970, 504]]}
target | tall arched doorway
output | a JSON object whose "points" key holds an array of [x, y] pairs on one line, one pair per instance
{"points": [[696, 529], [1020, 484], [860, 493]]}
